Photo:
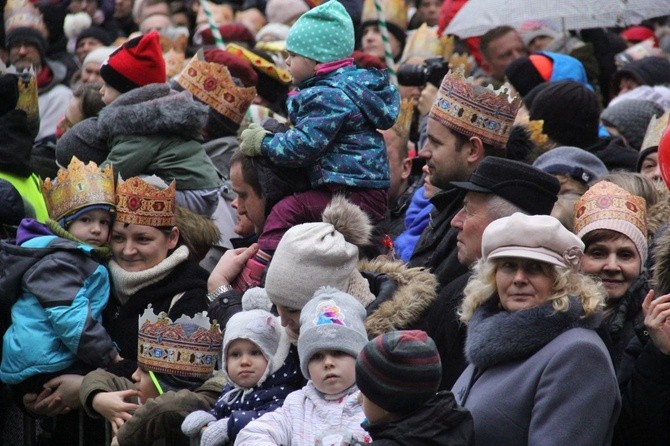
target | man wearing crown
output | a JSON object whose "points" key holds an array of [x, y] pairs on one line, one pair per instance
{"points": [[466, 123]]}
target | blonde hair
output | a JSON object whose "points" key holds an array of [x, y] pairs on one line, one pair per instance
{"points": [[481, 288]]}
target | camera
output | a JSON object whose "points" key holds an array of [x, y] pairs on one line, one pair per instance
{"points": [[432, 70]]}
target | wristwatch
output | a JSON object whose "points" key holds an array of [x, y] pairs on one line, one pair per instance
{"points": [[211, 296]]}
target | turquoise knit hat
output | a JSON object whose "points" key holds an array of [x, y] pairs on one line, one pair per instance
{"points": [[324, 34]]}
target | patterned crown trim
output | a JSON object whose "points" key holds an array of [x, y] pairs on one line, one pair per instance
{"points": [[24, 14], [78, 186], [140, 203], [187, 347], [474, 110], [261, 64], [607, 201], [655, 130], [212, 84]]}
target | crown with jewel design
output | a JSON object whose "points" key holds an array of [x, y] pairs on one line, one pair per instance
{"points": [[655, 129], [212, 84], [260, 64], [473, 110], [188, 347], [425, 43], [140, 203], [78, 186], [395, 12]]}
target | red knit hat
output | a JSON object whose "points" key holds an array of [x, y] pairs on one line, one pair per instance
{"points": [[137, 63]]}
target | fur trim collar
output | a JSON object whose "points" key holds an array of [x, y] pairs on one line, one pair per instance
{"points": [[416, 291], [153, 110], [496, 336]]}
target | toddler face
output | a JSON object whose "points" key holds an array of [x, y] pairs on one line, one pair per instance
{"points": [[332, 371], [301, 68], [245, 363], [92, 227]]}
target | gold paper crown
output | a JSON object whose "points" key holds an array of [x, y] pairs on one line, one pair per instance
{"points": [[28, 101], [474, 110], [140, 203], [425, 43], [457, 59], [212, 84], [395, 12], [536, 129], [607, 206], [187, 347], [174, 62], [655, 129], [404, 121], [24, 14], [260, 64], [76, 187]]}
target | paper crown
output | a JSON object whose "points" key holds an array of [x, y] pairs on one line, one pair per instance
{"points": [[655, 130], [78, 186], [425, 43], [536, 132], [404, 122], [607, 206], [260, 64], [212, 84], [188, 347], [140, 203], [473, 110], [22, 13], [395, 12]]}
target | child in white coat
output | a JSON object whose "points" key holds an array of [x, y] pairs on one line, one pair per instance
{"points": [[326, 411]]}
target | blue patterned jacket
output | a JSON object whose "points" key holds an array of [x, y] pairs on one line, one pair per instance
{"points": [[336, 117]]}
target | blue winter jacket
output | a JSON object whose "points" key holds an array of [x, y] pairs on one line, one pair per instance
{"points": [[336, 117], [62, 290]]}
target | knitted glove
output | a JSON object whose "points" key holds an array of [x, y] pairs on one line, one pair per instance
{"points": [[195, 421], [252, 138], [216, 433]]}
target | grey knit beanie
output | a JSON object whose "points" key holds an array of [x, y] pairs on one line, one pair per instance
{"points": [[331, 320], [631, 118], [313, 255]]}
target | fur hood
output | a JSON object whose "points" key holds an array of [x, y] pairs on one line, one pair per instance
{"points": [[197, 232], [153, 110], [659, 213], [414, 293]]}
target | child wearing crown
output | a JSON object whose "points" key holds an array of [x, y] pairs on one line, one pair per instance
{"points": [[337, 112], [326, 411], [260, 373], [56, 274], [171, 356]]}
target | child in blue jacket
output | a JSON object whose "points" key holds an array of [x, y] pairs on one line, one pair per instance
{"points": [[56, 273], [336, 112]]}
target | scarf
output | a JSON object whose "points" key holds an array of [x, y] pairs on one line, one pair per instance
{"points": [[127, 283], [496, 336]]}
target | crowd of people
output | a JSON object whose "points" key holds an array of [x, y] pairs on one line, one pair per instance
{"points": [[295, 222]]}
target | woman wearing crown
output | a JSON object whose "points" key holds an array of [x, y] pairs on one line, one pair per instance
{"points": [[149, 266]]}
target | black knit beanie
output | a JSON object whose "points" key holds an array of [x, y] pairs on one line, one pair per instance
{"points": [[570, 112]]}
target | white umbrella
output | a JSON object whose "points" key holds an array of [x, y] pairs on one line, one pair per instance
{"points": [[478, 16]]}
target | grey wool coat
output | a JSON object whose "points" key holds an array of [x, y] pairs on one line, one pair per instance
{"points": [[538, 377]]}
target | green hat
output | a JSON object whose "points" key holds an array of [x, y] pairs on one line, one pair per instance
{"points": [[324, 34]]}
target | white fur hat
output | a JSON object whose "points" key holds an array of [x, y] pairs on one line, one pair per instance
{"points": [[261, 328]]}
